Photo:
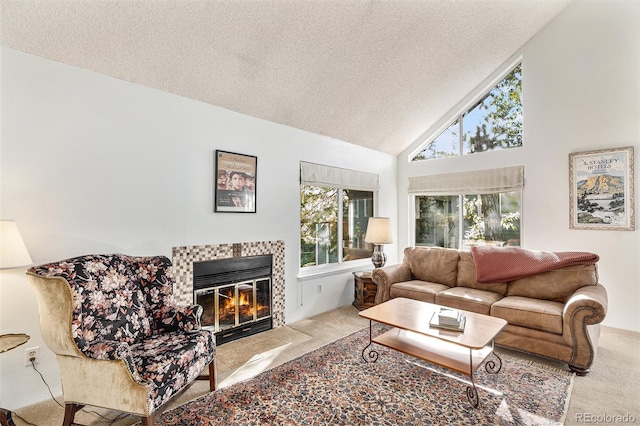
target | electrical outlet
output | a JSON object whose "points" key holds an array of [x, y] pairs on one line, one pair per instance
{"points": [[32, 354], [319, 288]]}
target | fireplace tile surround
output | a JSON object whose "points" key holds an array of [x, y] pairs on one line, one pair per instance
{"points": [[185, 256]]}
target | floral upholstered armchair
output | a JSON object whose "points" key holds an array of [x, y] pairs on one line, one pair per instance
{"points": [[120, 341]]}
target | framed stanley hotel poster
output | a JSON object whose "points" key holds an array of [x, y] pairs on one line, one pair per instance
{"points": [[601, 190]]}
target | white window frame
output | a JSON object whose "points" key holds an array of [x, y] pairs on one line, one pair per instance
{"points": [[412, 221], [488, 181], [457, 114], [318, 175]]}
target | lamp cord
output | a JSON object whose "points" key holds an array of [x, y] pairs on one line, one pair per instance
{"points": [[111, 421]]}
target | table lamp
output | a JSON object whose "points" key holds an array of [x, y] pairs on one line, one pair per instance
{"points": [[13, 254], [378, 233]]}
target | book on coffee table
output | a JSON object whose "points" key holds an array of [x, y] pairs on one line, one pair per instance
{"points": [[449, 319]]}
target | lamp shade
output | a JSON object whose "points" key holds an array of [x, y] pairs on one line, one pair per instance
{"points": [[379, 231], [13, 252]]}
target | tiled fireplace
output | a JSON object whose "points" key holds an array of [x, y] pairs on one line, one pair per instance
{"points": [[247, 253]]}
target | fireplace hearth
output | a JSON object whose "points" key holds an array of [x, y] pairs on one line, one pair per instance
{"points": [[236, 295]]}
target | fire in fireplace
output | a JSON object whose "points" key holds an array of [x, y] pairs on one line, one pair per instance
{"points": [[235, 295]]}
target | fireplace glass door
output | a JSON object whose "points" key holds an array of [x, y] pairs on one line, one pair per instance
{"points": [[227, 304], [263, 298], [233, 305]]}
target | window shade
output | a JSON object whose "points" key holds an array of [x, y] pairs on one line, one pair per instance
{"points": [[505, 179], [327, 176]]}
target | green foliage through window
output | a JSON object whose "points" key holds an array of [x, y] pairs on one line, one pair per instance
{"points": [[333, 223], [484, 219], [493, 123]]}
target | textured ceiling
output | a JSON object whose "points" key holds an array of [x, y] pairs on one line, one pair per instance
{"points": [[370, 72]]}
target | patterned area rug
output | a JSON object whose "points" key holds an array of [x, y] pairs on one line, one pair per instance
{"points": [[334, 386]]}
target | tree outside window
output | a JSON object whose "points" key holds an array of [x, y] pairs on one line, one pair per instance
{"points": [[333, 223], [492, 219], [493, 123], [438, 221]]}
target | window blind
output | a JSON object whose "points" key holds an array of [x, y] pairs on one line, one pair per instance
{"points": [[327, 176], [490, 181]]}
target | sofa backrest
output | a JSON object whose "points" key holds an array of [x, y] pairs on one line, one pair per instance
{"points": [[108, 302], [557, 285], [467, 276], [433, 264]]}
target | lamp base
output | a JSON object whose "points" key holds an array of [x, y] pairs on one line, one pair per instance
{"points": [[378, 258]]}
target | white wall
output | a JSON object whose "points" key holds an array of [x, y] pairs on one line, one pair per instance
{"points": [[581, 91], [92, 164]]}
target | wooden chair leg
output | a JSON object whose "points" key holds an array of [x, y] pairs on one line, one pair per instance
{"points": [[70, 411], [213, 372], [5, 418], [212, 376], [149, 421]]}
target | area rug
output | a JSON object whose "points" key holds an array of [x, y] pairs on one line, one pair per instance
{"points": [[333, 385]]}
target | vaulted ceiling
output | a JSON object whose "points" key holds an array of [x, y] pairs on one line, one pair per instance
{"points": [[374, 73]]}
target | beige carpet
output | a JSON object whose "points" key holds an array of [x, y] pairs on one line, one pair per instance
{"points": [[610, 390]]}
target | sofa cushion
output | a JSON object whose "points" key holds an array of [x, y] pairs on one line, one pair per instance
{"points": [[417, 290], [433, 264], [467, 276], [537, 314], [557, 285], [468, 299]]}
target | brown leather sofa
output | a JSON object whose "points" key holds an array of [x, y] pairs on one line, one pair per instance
{"points": [[554, 314]]}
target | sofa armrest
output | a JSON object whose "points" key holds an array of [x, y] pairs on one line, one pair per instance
{"points": [[178, 318], [386, 276], [587, 306]]}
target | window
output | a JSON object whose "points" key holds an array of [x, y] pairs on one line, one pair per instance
{"points": [[458, 210], [492, 219], [487, 218], [493, 123], [335, 207], [333, 223], [437, 221]]}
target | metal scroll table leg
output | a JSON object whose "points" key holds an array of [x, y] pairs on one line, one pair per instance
{"points": [[472, 391], [371, 354], [492, 366]]}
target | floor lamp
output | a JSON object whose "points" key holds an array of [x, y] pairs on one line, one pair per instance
{"points": [[13, 254]]}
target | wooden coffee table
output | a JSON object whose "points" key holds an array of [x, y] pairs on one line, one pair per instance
{"points": [[461, 351]]}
